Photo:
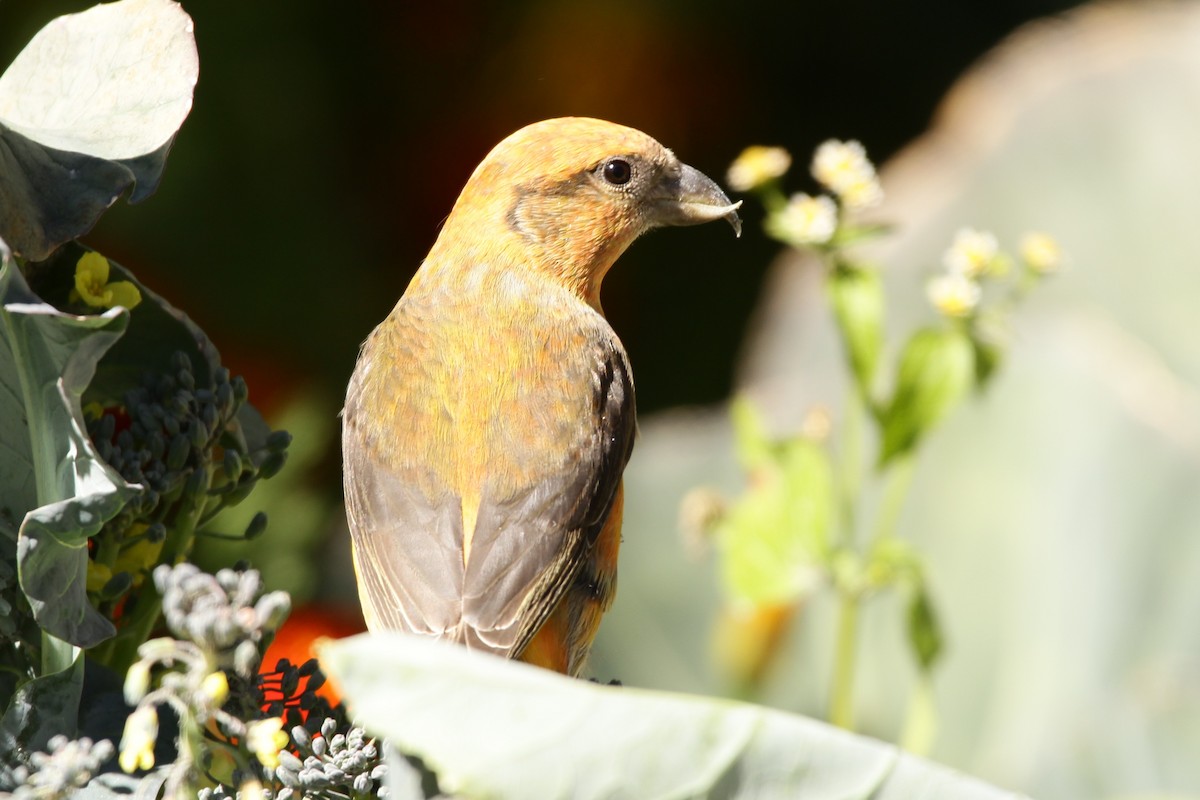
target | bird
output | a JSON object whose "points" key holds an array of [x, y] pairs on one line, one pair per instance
{"points": [[490, 416]]}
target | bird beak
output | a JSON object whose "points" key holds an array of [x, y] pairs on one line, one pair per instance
{"points": [[690, 198]]}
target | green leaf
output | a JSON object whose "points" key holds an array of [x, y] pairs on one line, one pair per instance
{"points": [[50, 474], [500, 729], [858, 306], [87, 110], [937, 369], [775, 536], [41, 708], [749, 433], [924, 631], [988, 356]]}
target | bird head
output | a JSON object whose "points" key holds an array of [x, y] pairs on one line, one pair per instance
{"points": [[567, 196]]}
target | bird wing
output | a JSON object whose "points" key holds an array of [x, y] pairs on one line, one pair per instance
{"points": [[538, 461]]}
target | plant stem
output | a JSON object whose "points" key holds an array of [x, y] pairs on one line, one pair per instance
{"points": [[851, 463], [841, 709], [895, 491]]}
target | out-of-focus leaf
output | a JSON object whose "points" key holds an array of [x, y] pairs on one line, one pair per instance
{"points": [[937, 369], [988, 356], [749, 433], [858, 305], [50, 474], [775, 534], [87, 110], [924, 631], [501, 729]]}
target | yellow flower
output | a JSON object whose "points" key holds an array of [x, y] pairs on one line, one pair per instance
{"points": [[137, 743], [972, 253], [1041, 252], [215, 687], [94, 288], [265, 738], [757, 165], [954, 294], [805, 220], [843, 168]]}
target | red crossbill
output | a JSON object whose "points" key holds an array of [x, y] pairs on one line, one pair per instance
{"points": [[491, 415]]}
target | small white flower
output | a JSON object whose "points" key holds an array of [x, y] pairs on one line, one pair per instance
{"points": [[757, 165], [843, 167], [1041, 252], [805, 220], [953, 294], [971, 253]]}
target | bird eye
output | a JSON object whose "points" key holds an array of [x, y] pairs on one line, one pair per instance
{"points": [[617, 171]]}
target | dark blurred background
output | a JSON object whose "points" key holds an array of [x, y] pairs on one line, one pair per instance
{"points": [[328, 141]]}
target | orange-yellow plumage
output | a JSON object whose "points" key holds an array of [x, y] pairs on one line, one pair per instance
{"points": [[491, 414]]}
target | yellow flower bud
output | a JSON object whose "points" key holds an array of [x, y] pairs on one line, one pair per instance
{"points": [[265, 738], [137, 743], [215, 687]]}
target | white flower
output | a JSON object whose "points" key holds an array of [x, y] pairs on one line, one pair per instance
{"points": [[757, 165], [843, 167], [953, 294], [971, 253], [805, 220], [1041, 252]]}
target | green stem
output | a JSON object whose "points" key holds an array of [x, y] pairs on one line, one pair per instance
{"points": [[841, 709], [851, 464], [895, 491]]}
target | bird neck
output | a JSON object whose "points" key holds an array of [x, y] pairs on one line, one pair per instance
{"points": [[571, 257]]}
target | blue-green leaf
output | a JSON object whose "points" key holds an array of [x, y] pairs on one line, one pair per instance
{"points": [[88, 110], [51, 477], [500, 729]]}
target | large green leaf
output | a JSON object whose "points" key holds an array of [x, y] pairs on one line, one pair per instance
{"points": [[41, 708], [87, 110], [500, 729], [50, 474]]}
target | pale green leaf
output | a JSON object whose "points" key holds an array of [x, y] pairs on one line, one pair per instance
{"points": [[50, 474], [937, 370], [87, 110], [500, 729]]}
